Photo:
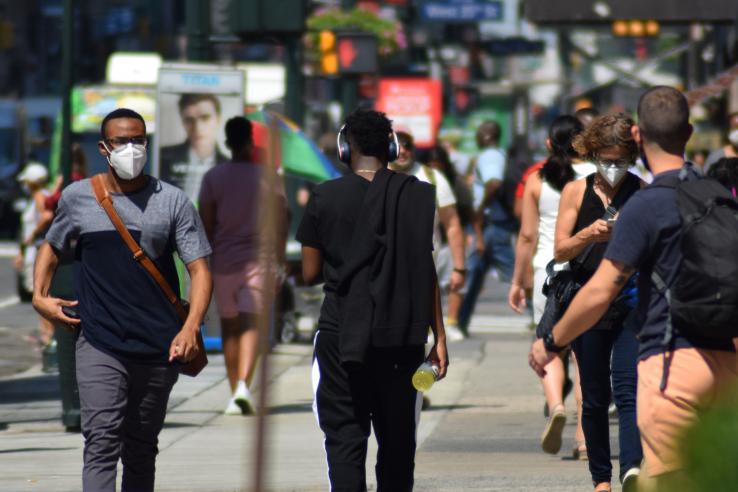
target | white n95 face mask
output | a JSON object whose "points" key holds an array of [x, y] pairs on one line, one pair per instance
{"points": [[612, 173], [128, 161]]}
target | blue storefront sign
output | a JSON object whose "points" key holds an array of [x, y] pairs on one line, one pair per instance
{"points": [[461, 10]]}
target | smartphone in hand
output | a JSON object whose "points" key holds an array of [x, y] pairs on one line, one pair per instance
{"points": [[70, 312], [611, 223]]}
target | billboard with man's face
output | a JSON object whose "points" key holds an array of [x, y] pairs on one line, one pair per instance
{"points": [[193, 105]]}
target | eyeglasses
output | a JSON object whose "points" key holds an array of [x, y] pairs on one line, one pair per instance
{"points": [[121, 141], [613, 162]]}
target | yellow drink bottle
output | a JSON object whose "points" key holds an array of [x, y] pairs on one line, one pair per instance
{"points": [[424, 377]]}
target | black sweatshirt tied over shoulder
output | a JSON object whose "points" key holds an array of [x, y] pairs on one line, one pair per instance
{"points": [[386, 285]]}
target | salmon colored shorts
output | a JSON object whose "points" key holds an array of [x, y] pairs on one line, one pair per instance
{"points": [[696, 379], [240, 292]]}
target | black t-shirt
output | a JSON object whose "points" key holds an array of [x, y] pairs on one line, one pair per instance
{"points": [[647, 236], [591, 210], [328, 225]]}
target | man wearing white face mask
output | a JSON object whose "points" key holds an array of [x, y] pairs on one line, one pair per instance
{"points": [[130, 340], [730, 149]]}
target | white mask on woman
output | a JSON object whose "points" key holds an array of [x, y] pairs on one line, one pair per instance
{"points": [[733, 137], [611, 172], [128, 161]]}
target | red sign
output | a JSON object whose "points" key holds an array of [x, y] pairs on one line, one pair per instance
{"points": [[414, 105]]}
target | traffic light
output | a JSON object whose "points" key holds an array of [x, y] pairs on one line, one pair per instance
{"points": [[328, 55], [347, 53], [636, 28]]}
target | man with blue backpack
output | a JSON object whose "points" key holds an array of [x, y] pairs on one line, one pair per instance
{"points": [[681, 235]]}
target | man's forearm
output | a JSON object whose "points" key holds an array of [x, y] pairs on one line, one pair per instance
{"points": [[437, 328], [455, 235], [477, 224], [43, 271], [200, 293]]}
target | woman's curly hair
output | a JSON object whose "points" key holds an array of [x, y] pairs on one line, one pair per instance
{"points": [[611, 130]]}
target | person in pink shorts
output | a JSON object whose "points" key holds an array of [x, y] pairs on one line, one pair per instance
{"points": [[231, 201]]}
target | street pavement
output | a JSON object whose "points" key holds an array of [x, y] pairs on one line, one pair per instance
{"points": [[482, 431]]}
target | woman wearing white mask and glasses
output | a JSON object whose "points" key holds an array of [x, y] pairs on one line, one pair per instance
{"points": [[587, 213]]}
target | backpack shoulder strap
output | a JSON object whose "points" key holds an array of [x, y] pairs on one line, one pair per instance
{"points": [[106, 202], [664, 290]]}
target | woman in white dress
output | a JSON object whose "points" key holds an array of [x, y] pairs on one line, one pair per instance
{"points": [[536, 244]]}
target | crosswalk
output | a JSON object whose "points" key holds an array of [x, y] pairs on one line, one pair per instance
{"points": [[9, 249], [490, 323]]}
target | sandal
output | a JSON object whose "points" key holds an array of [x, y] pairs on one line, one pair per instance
{"points": [[580, 451], [551, 438]]}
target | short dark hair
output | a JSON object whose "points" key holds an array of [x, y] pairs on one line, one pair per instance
{"points": [[239, 133], [117, 114], [370, 131], [663, 118], [186, 100], [489, 133]]}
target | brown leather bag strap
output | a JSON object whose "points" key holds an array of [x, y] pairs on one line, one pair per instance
{"points": [[106, 202]]}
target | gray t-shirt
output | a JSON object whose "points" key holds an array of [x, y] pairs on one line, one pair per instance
{"points": [[123, 310]]}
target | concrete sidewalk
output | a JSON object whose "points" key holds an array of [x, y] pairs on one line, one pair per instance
{"points": [[481, 433]]}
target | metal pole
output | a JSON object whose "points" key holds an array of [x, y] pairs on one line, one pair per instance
{"points": [[61, 285], [349, 84], [271, 225], [65, 156], [349, 94], [197, 13], [295, 81], [567, 81]]}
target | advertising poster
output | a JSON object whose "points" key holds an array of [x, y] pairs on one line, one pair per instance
{"points": [[193, 105], [414, 105]]}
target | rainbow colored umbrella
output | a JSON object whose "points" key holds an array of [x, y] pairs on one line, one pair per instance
{"points": [[297, 154]]}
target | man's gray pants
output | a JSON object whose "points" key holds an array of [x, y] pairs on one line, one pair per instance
{"points": [[123, 405]]}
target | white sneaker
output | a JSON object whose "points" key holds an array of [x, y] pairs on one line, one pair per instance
{"points": [[244, 399], [454, 334], [630, 479], [232, 408]]}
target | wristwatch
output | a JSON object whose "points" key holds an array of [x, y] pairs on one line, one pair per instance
{"points": [[460, 270], [548, 343]]}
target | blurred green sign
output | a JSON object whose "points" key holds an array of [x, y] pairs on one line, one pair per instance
{"points": [[91, 104]]}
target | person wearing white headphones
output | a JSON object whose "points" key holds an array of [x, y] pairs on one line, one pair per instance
{"points": [[368, 237]]}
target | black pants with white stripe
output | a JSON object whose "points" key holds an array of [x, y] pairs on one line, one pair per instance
{"points": [[348, 403]]}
